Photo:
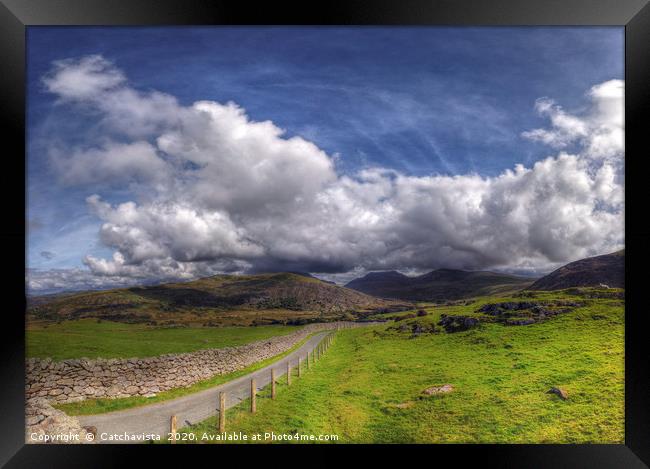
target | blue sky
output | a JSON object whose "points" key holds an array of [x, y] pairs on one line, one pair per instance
{"points": [[418, 100]]}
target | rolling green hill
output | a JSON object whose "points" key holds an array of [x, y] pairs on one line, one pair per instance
{"points": [[222, 299], [438, 285], [608, 270], [369, 387]]}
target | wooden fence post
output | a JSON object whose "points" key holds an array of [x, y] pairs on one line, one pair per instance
{"points": [[299, 367], [308, 362], [272, 383], [288, 373], [172, 429], [253, 396], [222, 412]]}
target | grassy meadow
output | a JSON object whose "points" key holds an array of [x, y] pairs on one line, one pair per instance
{"points": [[91, 338], [368, 387]]}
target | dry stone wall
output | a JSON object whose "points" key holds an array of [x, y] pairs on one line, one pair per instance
{"points": [[75, 380], [45, 424]]}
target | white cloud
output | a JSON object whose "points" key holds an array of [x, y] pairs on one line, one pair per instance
{"points": [[217, 190], [181, 232], [112, 162], [56, 280], [600, 131], [82, 79]]}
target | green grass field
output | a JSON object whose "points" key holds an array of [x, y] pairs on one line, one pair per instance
{"points": [[368, 387], [92, 339]]}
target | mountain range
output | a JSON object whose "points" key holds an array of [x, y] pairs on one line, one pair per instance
{"points": [[263, 297], [289, 297], [438, 285]]}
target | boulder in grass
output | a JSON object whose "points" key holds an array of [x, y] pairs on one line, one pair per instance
{"points": [[457, 323], [561, 393], [444, 389]]}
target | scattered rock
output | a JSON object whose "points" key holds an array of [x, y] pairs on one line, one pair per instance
{"points": [[34, 419], [405, 405], [444, 389], [523, 313], [415, 328], [457, 323], [561, 393], [519, 322]]}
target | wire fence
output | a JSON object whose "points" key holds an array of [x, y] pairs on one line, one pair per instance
{"points": [[247, 388]]}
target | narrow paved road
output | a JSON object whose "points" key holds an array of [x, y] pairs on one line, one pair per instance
{"points": [[193, 408]]}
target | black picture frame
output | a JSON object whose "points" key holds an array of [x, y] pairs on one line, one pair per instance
{"points": [[634, 15]]}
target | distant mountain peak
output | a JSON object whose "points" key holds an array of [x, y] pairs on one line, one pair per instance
{"points": [[608, 269]]}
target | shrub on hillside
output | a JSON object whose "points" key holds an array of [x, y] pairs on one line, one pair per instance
{"points": [[405, 316]]}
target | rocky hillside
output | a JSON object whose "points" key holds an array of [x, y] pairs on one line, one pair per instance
{"points": [[608, 269], [214, 298], [441, 284]]}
